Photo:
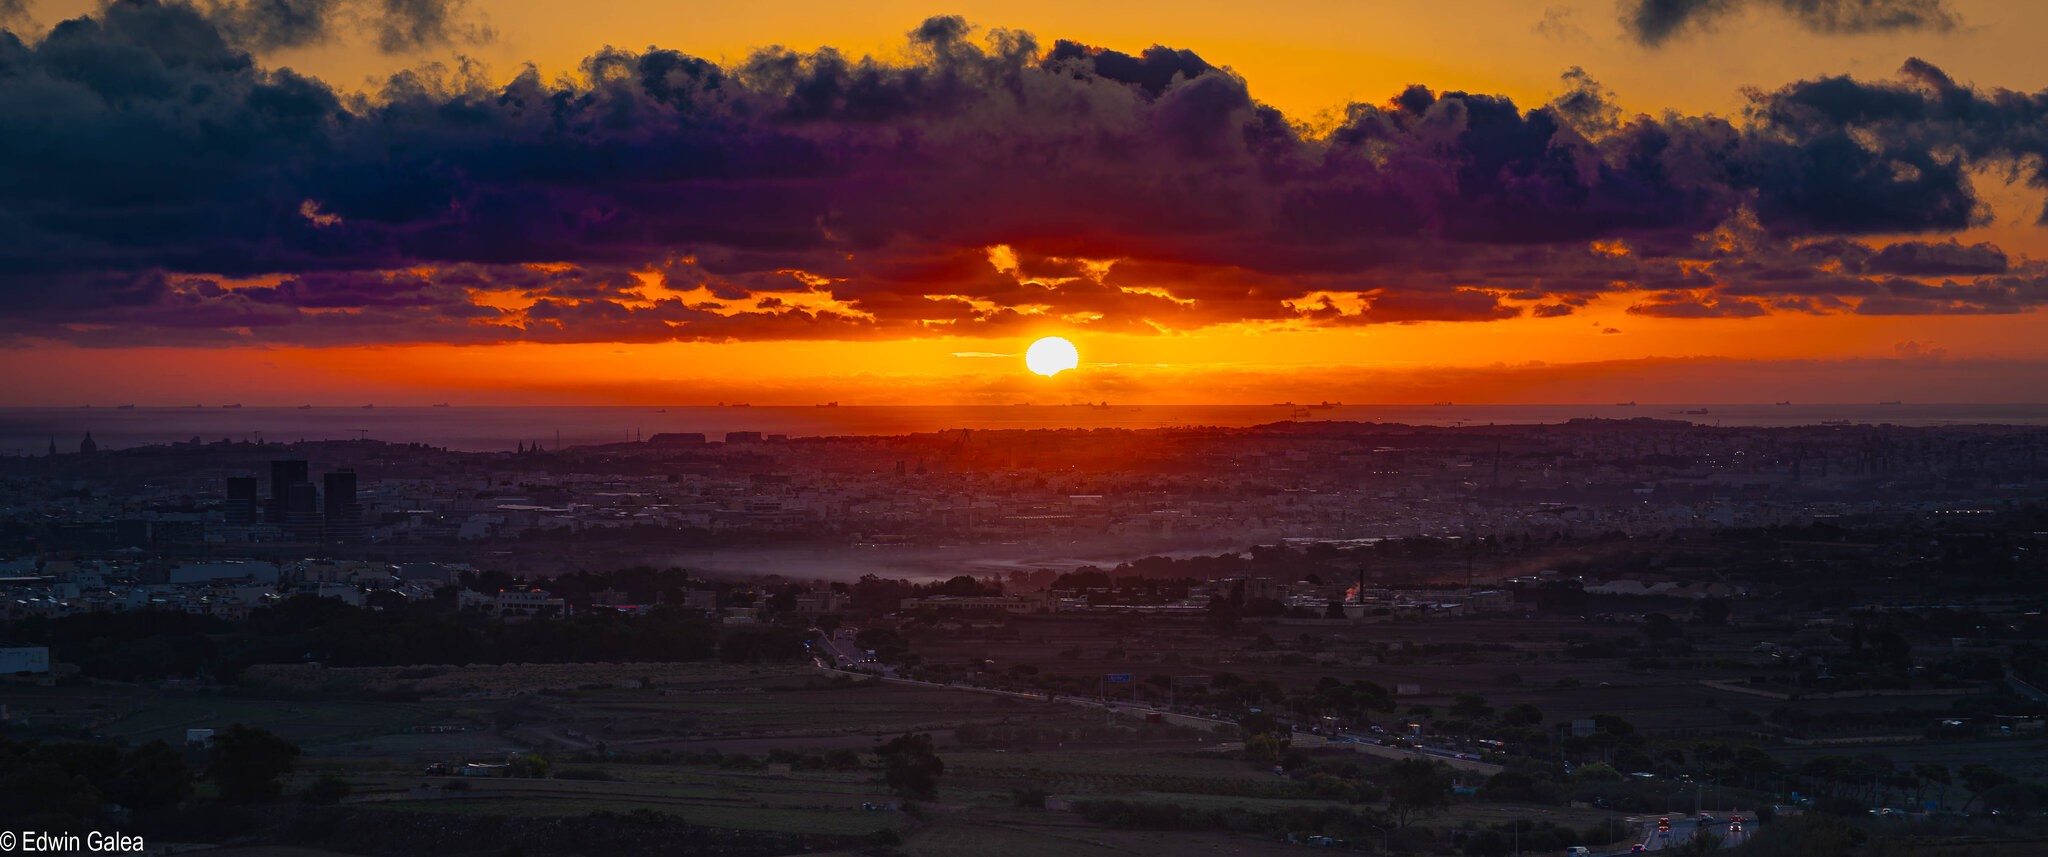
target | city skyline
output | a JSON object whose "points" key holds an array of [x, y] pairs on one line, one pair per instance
{"points": [[1569, 203]]}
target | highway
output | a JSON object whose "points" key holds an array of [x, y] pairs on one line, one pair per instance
{"points": [[841, 654], [1683, 827]]}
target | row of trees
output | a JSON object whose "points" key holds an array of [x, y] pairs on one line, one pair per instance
{"points": [[147, 645], [66, 785]]}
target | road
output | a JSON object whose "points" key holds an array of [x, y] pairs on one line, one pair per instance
{"points": [[840, 653], [1683, 828]]}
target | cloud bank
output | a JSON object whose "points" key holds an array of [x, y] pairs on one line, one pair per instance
{"points": [[164, 187]]}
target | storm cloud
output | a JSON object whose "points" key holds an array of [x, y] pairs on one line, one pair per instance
{"points": [[1655, 22], [393, 26], [162, 180]]}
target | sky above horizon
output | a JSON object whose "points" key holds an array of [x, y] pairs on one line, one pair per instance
{"points": [[632, 202]]}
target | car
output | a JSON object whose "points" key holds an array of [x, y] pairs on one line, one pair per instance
{"points": [[1735, 827], [1664, 824], [1637, 848]]}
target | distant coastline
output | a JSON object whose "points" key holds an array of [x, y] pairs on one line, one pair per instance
{"points": [[30, 431]]}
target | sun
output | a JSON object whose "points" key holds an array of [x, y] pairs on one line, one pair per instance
{"points": [[1051, 356]]}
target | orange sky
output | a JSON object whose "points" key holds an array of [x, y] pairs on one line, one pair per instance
{"points": [[1974, 359], [1308, 59]]}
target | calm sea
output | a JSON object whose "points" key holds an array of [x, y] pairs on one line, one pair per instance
{"points": [[31, 430]]}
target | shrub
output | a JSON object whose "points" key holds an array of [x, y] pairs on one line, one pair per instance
{"points": [[327, 790]]}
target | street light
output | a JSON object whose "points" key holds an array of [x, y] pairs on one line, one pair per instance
{"points": [[1385, 848]]}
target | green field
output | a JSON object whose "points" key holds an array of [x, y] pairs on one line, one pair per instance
{"points": [[644, 747], [137, 715]]}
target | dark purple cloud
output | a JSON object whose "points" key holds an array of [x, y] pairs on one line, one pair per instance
{"points": [[164, 181], [393, 26], [1654, 22]]}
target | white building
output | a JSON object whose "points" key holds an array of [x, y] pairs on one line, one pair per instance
{"points": [[34, 660]]}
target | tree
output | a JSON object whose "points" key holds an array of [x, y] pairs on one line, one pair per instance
{"points": [[1260, 723], [1711, 611], [327, 791], [1596, 772], [1980, 778], [530, 766], [248, 764], [1932, 774], [910, 766], [1834, 771], [1470, 706], [763, 644], [1263, 747], [1416, 786], [1658, 627], [1224, 616], [1521, 714], [152, 776], [1608, 724]]}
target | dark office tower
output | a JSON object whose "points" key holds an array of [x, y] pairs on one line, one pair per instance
{"points": [[284, 473], [241, 500], [302, 512], [344, 516]]}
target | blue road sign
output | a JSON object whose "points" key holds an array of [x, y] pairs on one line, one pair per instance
{"points": [[1117, 677]]}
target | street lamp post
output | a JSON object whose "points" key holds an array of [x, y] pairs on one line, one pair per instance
{"points": [[1385, 837]]}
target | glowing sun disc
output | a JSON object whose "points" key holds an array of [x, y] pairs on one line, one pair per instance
{"points": [[1051, 356]]}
